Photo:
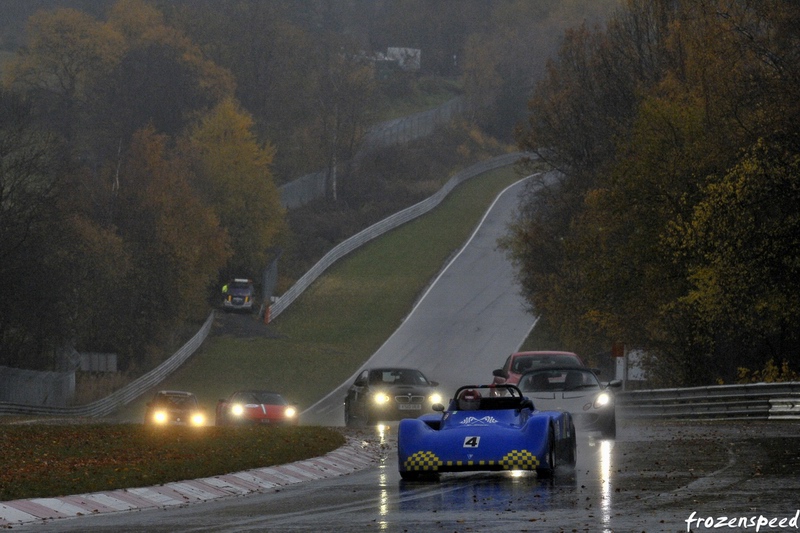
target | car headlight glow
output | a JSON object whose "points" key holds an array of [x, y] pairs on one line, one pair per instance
{"points": [[198, 419], [237, 409], [435, 398], [381, 398], [603, 399], [290, 412], [160, 417]]}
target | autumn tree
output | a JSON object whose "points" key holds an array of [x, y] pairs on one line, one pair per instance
{"points": [[629, 242], [163, 79], [67, 50], [271, 56], [175, 244], [743, 241], [234, 177], [346, 93], [101, 81], [33, 172], [505, 57]]}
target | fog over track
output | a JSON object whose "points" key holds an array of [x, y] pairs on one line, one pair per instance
{"points": [[464, 325], [661, 475]]}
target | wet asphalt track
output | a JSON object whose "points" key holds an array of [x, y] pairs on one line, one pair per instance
{"points": [[651, 478]]}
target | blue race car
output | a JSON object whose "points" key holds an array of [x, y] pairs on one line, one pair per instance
{"points": [[485, 427]]}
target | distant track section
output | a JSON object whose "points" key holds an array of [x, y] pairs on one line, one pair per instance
{"points": [[136, 388], [387, 224]]}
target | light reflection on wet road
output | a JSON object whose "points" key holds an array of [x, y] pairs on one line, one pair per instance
{"points": [[650, 479]]}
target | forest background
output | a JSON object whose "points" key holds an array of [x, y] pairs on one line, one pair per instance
{"points": [[676, 226], [142, 144]]}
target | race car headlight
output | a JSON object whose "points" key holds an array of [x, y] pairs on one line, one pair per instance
{"points": [[603, 399], [381, 398], [237, 409], [198, 419], [290, 412], [435, 398], [160, 417]]}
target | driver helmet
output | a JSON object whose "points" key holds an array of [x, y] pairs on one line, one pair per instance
{"points": [[469, 400]]}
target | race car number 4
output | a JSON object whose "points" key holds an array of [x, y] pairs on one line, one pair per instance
{"points": [[471, 442]]}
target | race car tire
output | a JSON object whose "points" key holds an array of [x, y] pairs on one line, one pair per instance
{"points": [[573, 446], [348, 416], [419, 476], [551, 457]]}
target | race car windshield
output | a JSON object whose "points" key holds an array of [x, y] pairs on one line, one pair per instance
{"points": [[523, 364], [558, 380], [259, 397], [182, 402], [397, 377]]}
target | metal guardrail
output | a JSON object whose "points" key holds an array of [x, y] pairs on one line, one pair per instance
{"points": [[387, 224], [123, 396], [309, 187], [136, 388], [765, 401]]}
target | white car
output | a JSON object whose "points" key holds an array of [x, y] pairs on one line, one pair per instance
{"points": [[577, 391]]}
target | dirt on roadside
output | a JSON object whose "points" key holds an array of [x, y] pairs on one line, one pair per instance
{"points": [[242, 325]]}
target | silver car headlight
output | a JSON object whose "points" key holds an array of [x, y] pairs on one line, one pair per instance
{"points": [[603, 400], [435, 398]]}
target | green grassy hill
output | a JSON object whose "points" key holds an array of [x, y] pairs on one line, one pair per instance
{"points": [[345, 316]]}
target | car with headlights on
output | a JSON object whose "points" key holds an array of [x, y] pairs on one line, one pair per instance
{"points": [[239, 295], [577, 391], [520, 362], [484, 431], [386, 394], [174, 408], [255, 407]]}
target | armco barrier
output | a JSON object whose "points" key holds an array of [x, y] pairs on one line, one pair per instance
{"points": [[309, 187], [768, 401], [126, 394], [136, 388], [389, 223]]}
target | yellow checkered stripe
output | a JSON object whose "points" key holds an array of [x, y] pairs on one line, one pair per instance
{"points": [[426, 461], [519, 460], [513, 460]]}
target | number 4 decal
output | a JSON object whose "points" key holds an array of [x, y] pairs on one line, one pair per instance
{"points": [[471, 442]]}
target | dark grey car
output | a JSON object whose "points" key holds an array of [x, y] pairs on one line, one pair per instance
{"points": [[384, 394]]}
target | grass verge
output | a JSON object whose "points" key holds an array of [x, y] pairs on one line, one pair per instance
{"points": [[314, 346], [344, 317], [76, 459]]}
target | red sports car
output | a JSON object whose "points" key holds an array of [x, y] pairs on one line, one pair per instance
{"points": [[520, 362], [255, 407]]}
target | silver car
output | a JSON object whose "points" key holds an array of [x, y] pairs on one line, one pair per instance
{"points": [[577, 391]]}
